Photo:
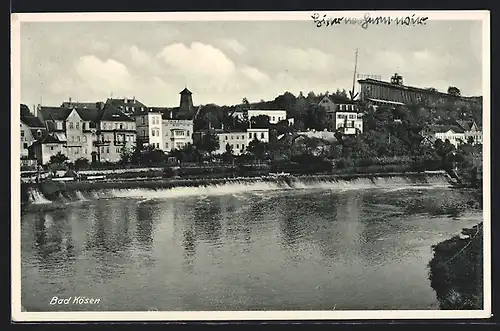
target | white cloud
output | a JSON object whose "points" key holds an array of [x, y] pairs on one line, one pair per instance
{"points": [[109, 75], [235, 46], [255, 74], [308, 59], [139, 57], [197, 60]]}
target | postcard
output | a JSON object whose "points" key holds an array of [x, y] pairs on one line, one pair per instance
{"points": [[218, 166]]}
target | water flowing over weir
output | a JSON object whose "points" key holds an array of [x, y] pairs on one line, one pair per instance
{"points": [[185, 188]]}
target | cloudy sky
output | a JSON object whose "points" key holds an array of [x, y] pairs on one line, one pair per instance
{"points": [[222, 62]]}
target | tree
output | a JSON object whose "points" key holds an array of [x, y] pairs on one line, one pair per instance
{"points": [[432, 89], [208, 143], [58, 159], [260, 121], [454, 91], [315, 118], [81, 163], [125, 155], [258, 148], [228, 155]]}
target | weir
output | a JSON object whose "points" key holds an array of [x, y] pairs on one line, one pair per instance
{"points": [[46, 193]]}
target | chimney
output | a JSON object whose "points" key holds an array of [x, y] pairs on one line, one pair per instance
{"points": [[69, 100]]}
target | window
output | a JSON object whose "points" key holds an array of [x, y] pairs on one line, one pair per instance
{"points": [[84, 139], [166, 145], [226, 137], [117, 150], [188, 132], [83, 126], [77, 151], [102, 150], [104, 126], [22, 133], [157, 145], [153, 132], [25, 145], [121, 126], [273, 118], [249, 136], [78, 138], [84, 151], [254, 135], [77, 125], [51, 148], [237, 137], [242, 136], [262, 135], [237, 146], [71, 125], [143, 120], [107, 149], [242, 146]]}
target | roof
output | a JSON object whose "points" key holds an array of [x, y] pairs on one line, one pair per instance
{"points": [[110, 112], [411, 88], [442, 128], [29, 119], [54, 113], [185, 91], [89, 114], [387, 101], [49, 138], [466, 125], [71, 104], [126, 102]]}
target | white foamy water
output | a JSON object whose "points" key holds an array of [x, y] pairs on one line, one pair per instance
{"points": [[36, 197]]}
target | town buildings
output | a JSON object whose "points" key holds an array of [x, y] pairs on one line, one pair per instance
{"points": [[166, 128], [239, 140], [95, 134], [456, 133], [31, 129]]}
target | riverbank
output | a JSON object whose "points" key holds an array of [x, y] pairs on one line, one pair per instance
{"points": [[456, 270]]}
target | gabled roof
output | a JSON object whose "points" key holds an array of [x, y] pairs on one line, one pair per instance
{"points": [[54, 113], [49, 138], [185, 91], [466, 125], [89, 114], [29, 119], [122, 103], [110, 112], [442, 128]]}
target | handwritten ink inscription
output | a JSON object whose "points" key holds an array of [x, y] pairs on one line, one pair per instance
{"points": [[367, 20]]}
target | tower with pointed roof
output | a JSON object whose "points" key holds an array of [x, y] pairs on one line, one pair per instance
{"points": [[186, 103]]}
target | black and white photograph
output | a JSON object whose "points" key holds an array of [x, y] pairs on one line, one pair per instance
{"points": [[307, 165]]}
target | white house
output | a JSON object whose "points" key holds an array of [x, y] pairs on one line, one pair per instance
{"points": [[347, 121], [149, 127], [275, 115], [177, 133], [239, 140]]}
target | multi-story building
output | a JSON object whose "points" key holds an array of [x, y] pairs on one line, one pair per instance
{"points": [[166, 128], [348, 122], [128, 106], [394, 93], [116, 131], [96, 134], [31, 129], [275, 115], [472, 131], [50, 144], [239, 140]]}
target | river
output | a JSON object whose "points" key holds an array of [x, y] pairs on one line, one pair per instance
{"points": [[347, 246]]}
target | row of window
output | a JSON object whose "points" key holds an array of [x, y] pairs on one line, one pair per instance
{"points": [[349, 116], [237, 137], [118, 126], [237, 146]]}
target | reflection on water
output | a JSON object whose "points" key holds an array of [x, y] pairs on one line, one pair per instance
{"points": [[277, 250]]}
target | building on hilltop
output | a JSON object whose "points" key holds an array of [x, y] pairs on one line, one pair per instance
{"points": [[394, 93], [275, 115], [342, 114], [186, 102], [456, 133]]}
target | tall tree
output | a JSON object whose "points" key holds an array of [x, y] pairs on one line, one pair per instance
{"points": [[454, 91]]}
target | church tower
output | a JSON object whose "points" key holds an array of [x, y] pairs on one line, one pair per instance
{"points": [[186, 103]]}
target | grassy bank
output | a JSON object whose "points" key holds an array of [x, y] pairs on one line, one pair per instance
{"points": [[456, 271]]}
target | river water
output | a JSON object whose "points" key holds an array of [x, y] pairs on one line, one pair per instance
{"points": [[323, 246]]}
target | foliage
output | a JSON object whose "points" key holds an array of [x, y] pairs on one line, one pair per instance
{"points": [[208, 143], [81, 163], [58, 159]]}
